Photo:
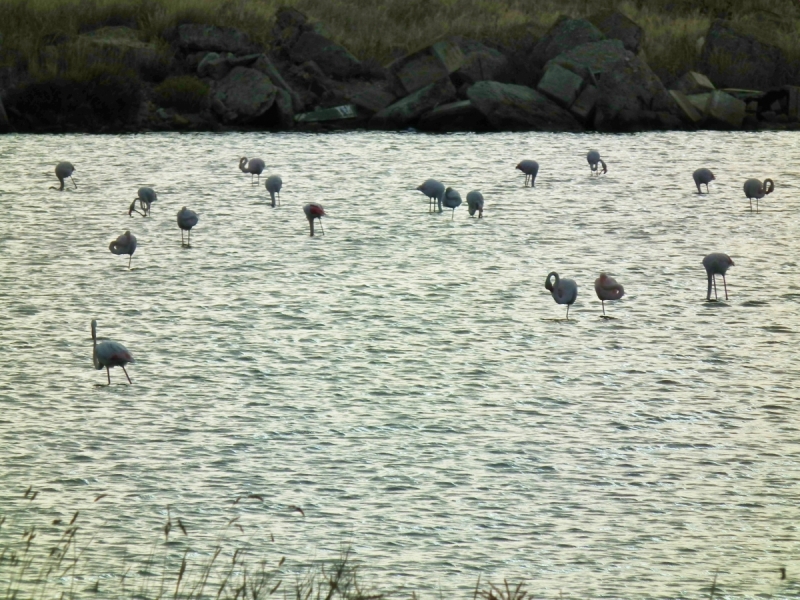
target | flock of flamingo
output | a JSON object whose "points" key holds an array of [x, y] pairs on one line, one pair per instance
{"points": [[109, 354]]}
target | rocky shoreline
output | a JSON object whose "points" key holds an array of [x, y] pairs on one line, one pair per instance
{"points": [[582, 75]]}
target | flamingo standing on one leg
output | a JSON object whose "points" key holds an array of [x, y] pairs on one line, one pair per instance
{"points": [[64, 170], [109, 354], [717, 263], [255, 167], [124, 244], [607, 288], [475, 203], [434, 190], [314, 211], [702, 176], [186, 220], [564, 291], [452, 199], [753, 188], [274, 184], [530, 168], [593, 157]]}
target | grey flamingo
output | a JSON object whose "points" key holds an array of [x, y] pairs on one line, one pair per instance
{"points": [[64, 170], [702, 176], [564, 291], [607, 288], [452, 199], [186, 220], [109, 354], [593, 157], [753, 188], [530, 168], [274, 184], [255, 167], [314, 211], [145, 196], [434, 190], [124, 244], [717, 263], [475, 203]]}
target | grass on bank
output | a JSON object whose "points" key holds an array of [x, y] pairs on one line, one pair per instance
{"points": [[383, 29]]}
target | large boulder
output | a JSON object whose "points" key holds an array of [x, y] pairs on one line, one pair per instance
{"points": [[560, 84], [243, 95], [481, 64], [692, 82], [406, 111], [455, 116], [334, 59], [371, 96], [616, 26], [563, 36], [214, 66], [194, 38], [420, 69], [510, 107], [734, 60]]}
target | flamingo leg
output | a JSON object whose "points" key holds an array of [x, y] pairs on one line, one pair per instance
{"points": [[751, 204], [726, 287], [454, 214], [714, 279], [130, 258], [321, 228], [567, 312], [73, 182], [126, 375], [109, 375], [756, 205], [189, 239], [604, 307]]}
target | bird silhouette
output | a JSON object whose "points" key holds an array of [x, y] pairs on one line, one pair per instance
{"points": [[530, 168], [475, 203], [702, 176], [314, 211], [753, 188], [717, 263], [564, 291], [124, 244], [145, 196], [607, 288], [186, 220], [434, 190], [274, 184], [254, 167], [593, 157], [452, 199], [64, 170], [109, 354]]}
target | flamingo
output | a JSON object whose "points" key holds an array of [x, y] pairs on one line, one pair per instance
{"points": [[314, 211], [254, 167], [124, 244], [64, 170], [186, 220], [109, 354], [434, 190], [702, 176], [530, 168], [452, 199], [564, 291], [717, 263], [475, 203], [146, 196], [274, 184], [753, 188], [594, 157], [607, 288]]}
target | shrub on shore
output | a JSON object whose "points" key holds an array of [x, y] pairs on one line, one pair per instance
{"points": [[185, 93]]}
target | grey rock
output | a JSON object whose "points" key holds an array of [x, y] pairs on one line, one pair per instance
{"points": [[699, 101], [726, 109], [5, 125], [244, 61], [245, 95], [692, 82], [419, 69], [592, 59], [583, 107], [616, 26], [264, 64], [290, 24], [406, 111], [214, 66], [563, 36], [561, 85], [334, 59], [509, 107], [193, 38], [336, 113], [689, 111], [285, 109], [455, 116], [372, 96], [482, 64]]}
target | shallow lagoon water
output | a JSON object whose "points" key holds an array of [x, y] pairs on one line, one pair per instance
{"points": [[405, 378]]}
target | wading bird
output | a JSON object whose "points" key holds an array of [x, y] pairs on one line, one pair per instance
{"points": [[434, 190], [109, 354], [314, 211], [186, 220], [753, 188], [274, 184], [564, 291], [530, 168], [254, 167], [607, 288], [145, 196], [64, 170], [717, 263], [593, 157], [475, 203], [702, 176], [452, 199], [124, 244]]}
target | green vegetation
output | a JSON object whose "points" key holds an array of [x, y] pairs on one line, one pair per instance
{"points": [[382, 29], [184, 92]]}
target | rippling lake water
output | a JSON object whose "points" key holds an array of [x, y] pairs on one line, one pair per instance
{"points": [[406, 379]]}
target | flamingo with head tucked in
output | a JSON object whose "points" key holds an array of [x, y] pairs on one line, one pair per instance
{"points": [[109, 354], [186, 220], [255, 167], [717, 263], [124, 244], [452, 199], [607, 288], [64, 170], [564, 291]]}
